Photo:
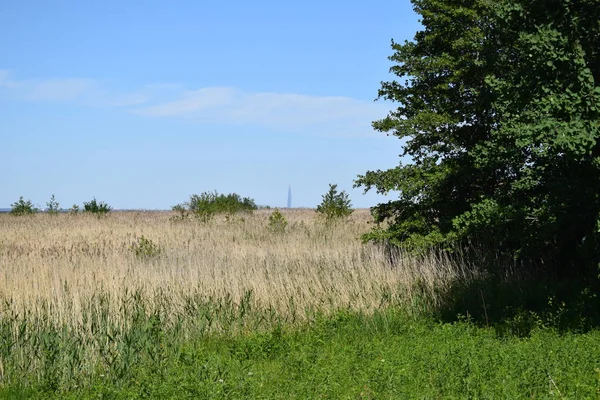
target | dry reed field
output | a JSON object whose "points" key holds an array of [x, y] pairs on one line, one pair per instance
{"points": [[150, 305], [63, 261], [77, 292]]}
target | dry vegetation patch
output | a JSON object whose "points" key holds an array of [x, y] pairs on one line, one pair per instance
{"points": [[66, 260]]}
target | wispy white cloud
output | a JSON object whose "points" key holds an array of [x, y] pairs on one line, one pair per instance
{"points": [[87, 92], [192, 103], [225, 105], [57, 89], [285, 112]]}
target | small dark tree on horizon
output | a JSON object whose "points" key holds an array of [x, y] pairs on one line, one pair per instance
{"points": [[335, 205], [22, 207], [96, 207], [52, 206], [277, 221]]}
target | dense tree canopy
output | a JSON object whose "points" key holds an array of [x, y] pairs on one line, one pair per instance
{"points": [[499, 109]]}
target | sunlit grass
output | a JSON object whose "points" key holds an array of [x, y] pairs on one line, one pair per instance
{"points": [[119, 305]]}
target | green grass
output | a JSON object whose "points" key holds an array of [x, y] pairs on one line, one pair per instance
{"points": [[345, 356]]}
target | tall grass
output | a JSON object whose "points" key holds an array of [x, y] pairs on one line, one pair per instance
{"points": [[79, 299]]}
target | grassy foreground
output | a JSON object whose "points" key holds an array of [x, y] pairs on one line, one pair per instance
{"points": [[142, 305], [353, 356]]}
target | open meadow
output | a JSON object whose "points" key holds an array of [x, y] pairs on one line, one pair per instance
{"points": [[455, 252], [143, 304]]}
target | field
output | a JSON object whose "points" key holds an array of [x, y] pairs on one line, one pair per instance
{"points": [[140, 304]]}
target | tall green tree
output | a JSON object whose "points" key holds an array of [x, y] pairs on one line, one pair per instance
{"points": [[499, 110]]}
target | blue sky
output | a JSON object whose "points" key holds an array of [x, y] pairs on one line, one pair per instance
{"points": [[142, 103]]}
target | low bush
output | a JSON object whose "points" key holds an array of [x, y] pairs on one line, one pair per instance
{"points": [[207, 204], [52, 206], [277, 221], [23, 207], [335, 205], [145, 248], [96, 207]]}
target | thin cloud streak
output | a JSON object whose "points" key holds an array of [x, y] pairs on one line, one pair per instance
{"points": [[57, 89], [87, 92], [284, 112], [290, 112]]}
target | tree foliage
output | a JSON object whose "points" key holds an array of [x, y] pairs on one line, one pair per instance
{"points": [[499, 110], [52, 206], [335, 205], [22, 207], [207, 204], [96, 207], [277, 222]]}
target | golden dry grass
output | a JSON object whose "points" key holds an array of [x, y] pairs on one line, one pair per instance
{"points": [[80, 312], [62, 261]]}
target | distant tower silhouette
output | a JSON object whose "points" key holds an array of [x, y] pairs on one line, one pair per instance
{"points": [[289, 205]]}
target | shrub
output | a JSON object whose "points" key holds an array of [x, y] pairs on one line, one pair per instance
{"points": [[96, 207], [74, 210], [206, 205], [52, 206], [23, 207], [144, 248], [277, 221], [335, 205]]}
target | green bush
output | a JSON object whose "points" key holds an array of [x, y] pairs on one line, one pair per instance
{"points": [[144, 248], [23, 207], [335, 205], [207, 204], [277, 221], [96, 207], [52, 206], [74, 210]]}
